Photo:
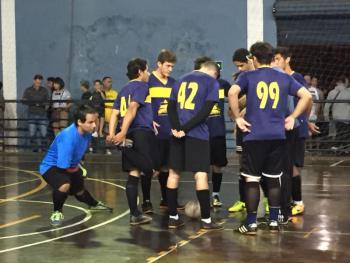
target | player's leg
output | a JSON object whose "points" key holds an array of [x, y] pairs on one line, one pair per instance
{"points": [[217, 160], [60, 183], [298, 204], [163, 158], [253, 157]]}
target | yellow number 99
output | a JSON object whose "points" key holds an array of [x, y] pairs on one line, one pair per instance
{"points": [[265, 91]]}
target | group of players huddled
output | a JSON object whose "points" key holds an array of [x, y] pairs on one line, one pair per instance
{"points": [[165, 126]]}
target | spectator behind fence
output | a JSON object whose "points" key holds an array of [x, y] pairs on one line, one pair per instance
{"points": [[36, 97], [110, 94], [84, 87], [60, 108], [97, 102], [317, 94]]}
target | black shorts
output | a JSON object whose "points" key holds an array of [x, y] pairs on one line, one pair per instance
{"points": [[239, 140], [163, 153], [142, 156], [189, 154], [299, 152], [56, 177], [263, 158], [218, 151]]}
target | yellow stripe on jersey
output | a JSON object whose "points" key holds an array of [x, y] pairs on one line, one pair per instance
{"points": [[148, 99], [160, 92], [221, 93]]}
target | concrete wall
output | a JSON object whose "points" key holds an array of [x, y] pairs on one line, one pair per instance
{"points": [[80, 39]]}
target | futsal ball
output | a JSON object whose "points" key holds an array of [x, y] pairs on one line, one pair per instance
{"points": [[192, 209]]}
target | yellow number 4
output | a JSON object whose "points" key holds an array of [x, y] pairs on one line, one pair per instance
{"points": [[187, 103], [123, 106], [265, 91]]}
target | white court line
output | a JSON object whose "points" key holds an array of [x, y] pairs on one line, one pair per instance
{"points": [[335, 164], [76, 232], [86, 218]]}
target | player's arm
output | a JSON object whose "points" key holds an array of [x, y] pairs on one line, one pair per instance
{"points": [[242, 102], [112, 124], [303, 103], [234, 105], [200, 117], [128, 119]]}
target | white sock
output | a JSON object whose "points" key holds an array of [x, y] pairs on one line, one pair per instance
{"points": [[174, 217], [214, 194], [298, 202], [207, 220]]}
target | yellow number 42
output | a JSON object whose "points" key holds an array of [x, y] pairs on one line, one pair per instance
{"points": [[187, 103], [264, 91]]}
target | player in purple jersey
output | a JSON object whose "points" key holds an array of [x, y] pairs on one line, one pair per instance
{"points": [[191, 101], [217, 134], [264, 126], [132, 110], [160, 85], [297, 149]]}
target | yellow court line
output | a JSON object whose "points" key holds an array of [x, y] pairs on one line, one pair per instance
{"points": [[315, 229], [34, 190], [19, 221], [22, 182]]}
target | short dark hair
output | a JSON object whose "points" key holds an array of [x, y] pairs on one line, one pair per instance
{"points": [[38, 76], [166, 55], [106, 77], [81, 113], [211, 64], [198, 62], [134, 66], [240, 55], [85, 84], [59, 81], [263, 51], [284, 52], [97, 80], [50, 79]]}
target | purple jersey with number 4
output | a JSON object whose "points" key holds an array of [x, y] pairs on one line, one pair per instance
{"points": [[191, 92], [136, 91], [267, 93]]}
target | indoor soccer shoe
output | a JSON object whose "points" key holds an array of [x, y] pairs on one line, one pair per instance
{"points": [[250, 229], [237, 207], [273, 227], [211, 226], [147, 207], [100, 207], [173, 223], [216, 201], [56, 218], [298, 209], [139, 220]]}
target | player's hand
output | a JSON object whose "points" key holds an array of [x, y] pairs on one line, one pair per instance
{"points": [[72, 169], [289, 123], [313, 128], [119, 138], [243, 124], [178, 134], [155, 127], [109, 138]]}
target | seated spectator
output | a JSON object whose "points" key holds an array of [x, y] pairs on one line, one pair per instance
{"points": [[60, 106], [84, 87], [97, 102], [37, 97]]}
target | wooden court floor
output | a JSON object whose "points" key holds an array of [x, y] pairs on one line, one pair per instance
{"points": [[321, 235]]}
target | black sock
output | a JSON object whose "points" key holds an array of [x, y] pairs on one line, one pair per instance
{"points": [[264, 187], [296, 188], [241, 186], [204, 201], [274, 196], [216, 179], [131, 194], [86, 198], [172, 201], [58, 200], [252, 195], [163, 179], [146, 181]]}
